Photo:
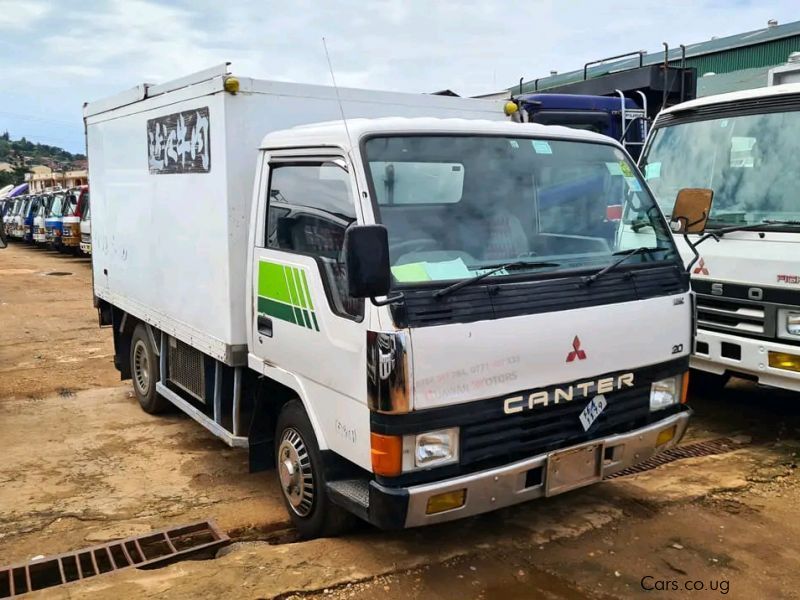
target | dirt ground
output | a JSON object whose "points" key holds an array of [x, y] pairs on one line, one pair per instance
{"points": [[82, 464]]}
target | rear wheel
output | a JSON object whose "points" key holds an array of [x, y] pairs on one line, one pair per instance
{"points": [[301, 477], [145, 373]]}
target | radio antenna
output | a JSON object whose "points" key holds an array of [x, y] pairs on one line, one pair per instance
{"points": [[338, 97]]}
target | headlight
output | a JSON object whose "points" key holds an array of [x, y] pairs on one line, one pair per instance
{"points": [[788, 323], [665, 392], [430, 449]]}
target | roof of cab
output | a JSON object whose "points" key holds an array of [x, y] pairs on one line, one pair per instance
{"points": [[762, 92], [333, 133]]}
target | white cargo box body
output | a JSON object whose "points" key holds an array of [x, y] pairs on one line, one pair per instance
{"points": [[171, 171]]}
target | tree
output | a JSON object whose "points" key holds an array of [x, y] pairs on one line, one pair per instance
{"points": [[5, 136], [18, 166], [7, 177]]}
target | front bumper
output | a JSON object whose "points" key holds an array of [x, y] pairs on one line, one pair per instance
{"points": [[499, 487], [86, 247], [753, 358]]}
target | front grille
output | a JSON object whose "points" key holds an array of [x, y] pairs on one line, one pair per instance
{"points": [[513, 437], [86, 238], [731, 314], [493, 300]]}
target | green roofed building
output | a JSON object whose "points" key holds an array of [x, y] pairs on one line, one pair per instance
{"points": [[723, 64]]}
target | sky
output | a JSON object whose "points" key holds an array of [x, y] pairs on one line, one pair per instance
{"points": [[57, 54]]}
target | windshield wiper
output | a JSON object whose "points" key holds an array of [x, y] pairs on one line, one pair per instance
{"points": [[780, 222], [519, 264], [627, 254]]}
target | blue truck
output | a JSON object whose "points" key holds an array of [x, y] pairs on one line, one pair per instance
{"points": [[617, 117]]}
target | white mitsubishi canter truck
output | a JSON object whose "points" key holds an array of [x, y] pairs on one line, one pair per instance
{"points": [[416, 315]]}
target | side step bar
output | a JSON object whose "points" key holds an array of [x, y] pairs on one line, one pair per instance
{"points": [[214, 425]]}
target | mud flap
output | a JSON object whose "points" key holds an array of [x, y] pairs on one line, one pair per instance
{"points": [[261, 439]]}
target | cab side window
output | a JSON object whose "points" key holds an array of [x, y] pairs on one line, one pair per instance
{"points": [[310, 205]]}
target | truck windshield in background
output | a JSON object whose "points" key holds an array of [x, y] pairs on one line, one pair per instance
{"points": [[457, 205], [747, 160], [56, 208]]}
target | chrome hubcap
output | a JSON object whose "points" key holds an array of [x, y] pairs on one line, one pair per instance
{"points": [[141, 368], [294, 470]]}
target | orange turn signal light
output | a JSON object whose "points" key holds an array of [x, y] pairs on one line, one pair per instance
{"points": [[387, 454], [685, 388]]}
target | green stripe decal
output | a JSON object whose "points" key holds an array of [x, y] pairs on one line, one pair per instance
{"points": [[283, 293], [279, 310], [305, 289]]}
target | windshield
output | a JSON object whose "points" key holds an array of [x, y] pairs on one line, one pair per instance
{"points": [[70, 204], [455, 206], [746, 160], [56, 206]]}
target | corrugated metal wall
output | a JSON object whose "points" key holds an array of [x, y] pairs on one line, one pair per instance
{"points": [[760, 55]]}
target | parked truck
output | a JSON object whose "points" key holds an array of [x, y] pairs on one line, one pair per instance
{"points": [[54, 220], [615, 116], [75, 202], [747, 274], [377, 306], [86, 227]]}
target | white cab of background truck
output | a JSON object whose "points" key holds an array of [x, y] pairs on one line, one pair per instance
{"points": [[743, 146], [416, 316]]}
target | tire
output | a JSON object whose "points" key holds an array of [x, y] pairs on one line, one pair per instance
{"points": [[301, 477], [145, 373]]}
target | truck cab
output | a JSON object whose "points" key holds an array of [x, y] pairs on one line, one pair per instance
{"points": [[30, 215], [747, 273], [39, 228], [8, 216], [54, 220], [86, 225], [74, 202], [18, 226], [488, 345], [617, 117]]}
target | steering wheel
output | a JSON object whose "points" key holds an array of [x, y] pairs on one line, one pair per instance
{"points": [[414, 245]]}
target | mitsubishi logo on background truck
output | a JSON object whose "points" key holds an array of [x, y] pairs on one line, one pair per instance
{"points": [[385, 371], [701, 268]]}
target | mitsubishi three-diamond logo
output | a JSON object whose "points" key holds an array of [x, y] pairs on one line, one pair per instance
{"points": [[576, 351], [701, 268]]}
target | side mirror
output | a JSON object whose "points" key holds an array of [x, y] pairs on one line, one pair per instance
{"points": [[692, 207], [366, 249]]}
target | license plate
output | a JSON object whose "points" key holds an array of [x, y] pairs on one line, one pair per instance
{"points": [[592, 411], [573, 468]]}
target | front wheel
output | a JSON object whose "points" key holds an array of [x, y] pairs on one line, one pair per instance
{"points": [[302, 479]]}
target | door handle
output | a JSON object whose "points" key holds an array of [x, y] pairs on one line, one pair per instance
{"points": [[264, 325]]}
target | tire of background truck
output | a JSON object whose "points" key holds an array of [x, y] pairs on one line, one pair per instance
{"points": [[301, 478], [145, 374], [707, 383]]}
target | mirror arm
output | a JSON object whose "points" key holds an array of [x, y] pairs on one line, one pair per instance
{"points": [[396, 299]]}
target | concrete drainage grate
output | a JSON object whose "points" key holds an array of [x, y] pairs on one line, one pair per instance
{"points": [[709, 448], [156, 547]]}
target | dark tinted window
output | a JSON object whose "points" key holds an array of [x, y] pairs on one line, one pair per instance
{"points": [[310, 207]]}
